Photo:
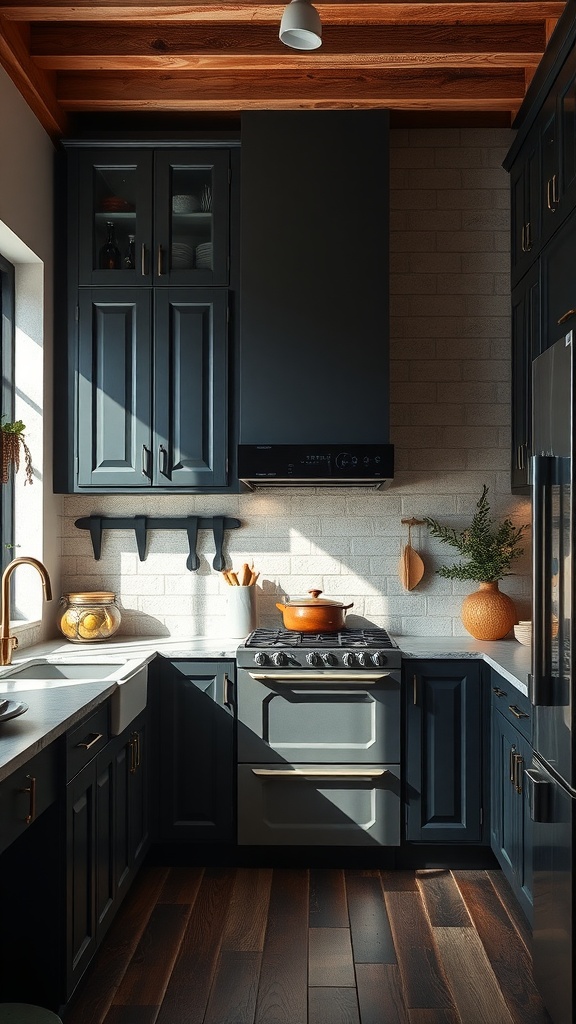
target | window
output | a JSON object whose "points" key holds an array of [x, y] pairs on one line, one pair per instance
{"points": [[7, 400]]}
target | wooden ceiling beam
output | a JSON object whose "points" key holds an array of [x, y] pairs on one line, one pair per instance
{"points": [[264, 12], [74, 40], [35, 85], [194, 90]]}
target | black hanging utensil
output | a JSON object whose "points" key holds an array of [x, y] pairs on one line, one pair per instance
{"points": [[193, 561], [218, 529]]}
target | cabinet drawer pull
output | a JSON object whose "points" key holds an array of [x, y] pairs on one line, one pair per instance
{"points": [[517, 712], [511, 763], [414, 690], [145, 461], [143, 259], [518, 763], [138, 751], [555, 189], [528, 237], [549, 196], [159, 261], [566, 316], [162, 460], [31, 789], [499, 692], [228, 691], [86, 744], [322, 773], [523, 242], [132, 744]]}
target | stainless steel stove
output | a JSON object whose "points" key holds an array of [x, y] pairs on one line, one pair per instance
{"points": [[319, 738], [346, 649]]}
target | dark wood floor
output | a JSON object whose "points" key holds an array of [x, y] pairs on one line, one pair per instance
{"points": [[321, 946]]}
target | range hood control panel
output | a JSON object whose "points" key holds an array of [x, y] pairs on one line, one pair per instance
{"points": [[322, 462]]}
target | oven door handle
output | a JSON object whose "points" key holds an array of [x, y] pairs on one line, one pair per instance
{"points": [[323, 773], [327, 676]]}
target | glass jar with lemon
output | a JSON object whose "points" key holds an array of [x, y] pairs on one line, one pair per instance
{"points": [[84, 618]]}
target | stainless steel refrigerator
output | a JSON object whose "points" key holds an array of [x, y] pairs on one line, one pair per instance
{"points": [[552, 776]]}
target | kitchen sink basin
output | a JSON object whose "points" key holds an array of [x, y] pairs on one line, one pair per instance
{"points": [[65, 670], [127, 700]]}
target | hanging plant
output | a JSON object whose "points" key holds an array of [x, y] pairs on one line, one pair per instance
{"points": [[11, 440]]}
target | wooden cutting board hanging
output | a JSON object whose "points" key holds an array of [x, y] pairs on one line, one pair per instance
{"points": [[411, 567]]}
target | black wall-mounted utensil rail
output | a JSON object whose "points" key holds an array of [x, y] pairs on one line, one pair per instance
{"points": [[141, 524]]}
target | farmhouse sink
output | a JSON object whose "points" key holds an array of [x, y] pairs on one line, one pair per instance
{"points": [[127, 700]]}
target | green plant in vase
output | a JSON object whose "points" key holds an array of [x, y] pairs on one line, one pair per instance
{"points": [[12, 442], [488, 551]]}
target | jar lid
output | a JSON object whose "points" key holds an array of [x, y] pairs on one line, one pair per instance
{"points": [[315, 601], [96, 597]]}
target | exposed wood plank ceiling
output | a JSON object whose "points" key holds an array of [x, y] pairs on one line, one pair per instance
{"points": [[470, 58]]}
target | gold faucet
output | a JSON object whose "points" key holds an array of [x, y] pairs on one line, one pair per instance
{"points": [[10, 643]]}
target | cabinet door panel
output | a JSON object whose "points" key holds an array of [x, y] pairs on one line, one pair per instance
{"points": [[104, 846], [196, 790], [115, 187], [81, 889], [443, 753], [191, 217], [558, 286], [190, 388], [511, 827], [113, 413], [525, 347]]}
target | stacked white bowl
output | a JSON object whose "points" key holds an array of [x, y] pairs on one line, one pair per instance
{"points": [[523, 632]]}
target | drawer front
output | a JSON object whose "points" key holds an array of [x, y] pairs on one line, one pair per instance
{"points": [[86, 740], [512, 704], [283, 805], [327, 722], [26, 793]]}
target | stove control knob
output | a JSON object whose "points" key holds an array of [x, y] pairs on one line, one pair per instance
{"points": [[364, 658], [349, 659], [329, 659], [279, 659], [260, 658], [313, 658], [379, 658]]}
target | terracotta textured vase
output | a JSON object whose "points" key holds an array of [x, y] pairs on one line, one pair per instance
{"points": [[488, 614]]}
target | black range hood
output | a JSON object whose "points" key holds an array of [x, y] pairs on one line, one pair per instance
{"points": [[314, 361], [282, 464]]}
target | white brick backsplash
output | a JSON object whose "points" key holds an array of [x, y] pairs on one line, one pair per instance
{"points": [[450, 415]]}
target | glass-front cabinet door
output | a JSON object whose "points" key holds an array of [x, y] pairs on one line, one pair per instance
{"points": [[153, 217], [191, 217], [115, 217]]}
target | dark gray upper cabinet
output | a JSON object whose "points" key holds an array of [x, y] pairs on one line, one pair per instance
{"points": [[152, 407], [143, 375], [444, 723], [314, 277], [526, 208], [173, 202]]}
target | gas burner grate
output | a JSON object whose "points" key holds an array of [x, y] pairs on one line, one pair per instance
{"points": [[349, 638]]}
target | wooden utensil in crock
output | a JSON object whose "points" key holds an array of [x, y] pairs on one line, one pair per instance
{"points": [[314, 614]]}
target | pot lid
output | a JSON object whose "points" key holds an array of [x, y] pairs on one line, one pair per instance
{"points": [[314, 601], [96, 597]]}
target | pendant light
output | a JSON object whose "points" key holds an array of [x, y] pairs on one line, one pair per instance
{"points": [[301, 27]]}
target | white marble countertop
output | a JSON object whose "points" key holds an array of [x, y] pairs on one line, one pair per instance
{"points": [[510, 658], [52, 711]]}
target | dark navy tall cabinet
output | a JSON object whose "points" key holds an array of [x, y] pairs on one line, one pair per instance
{"points": [[146, 323]]}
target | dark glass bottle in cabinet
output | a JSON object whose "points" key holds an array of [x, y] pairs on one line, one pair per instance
{"points": [[169, 208]]}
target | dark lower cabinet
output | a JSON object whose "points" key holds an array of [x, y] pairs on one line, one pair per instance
{"points": [[106, 838], [510, 823], [195, 778], [444, 724]]}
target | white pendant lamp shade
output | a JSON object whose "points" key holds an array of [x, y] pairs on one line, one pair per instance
{"points": [[301, 27]]}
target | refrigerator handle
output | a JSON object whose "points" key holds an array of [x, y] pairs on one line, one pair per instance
{"points": [[541, 598]]}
